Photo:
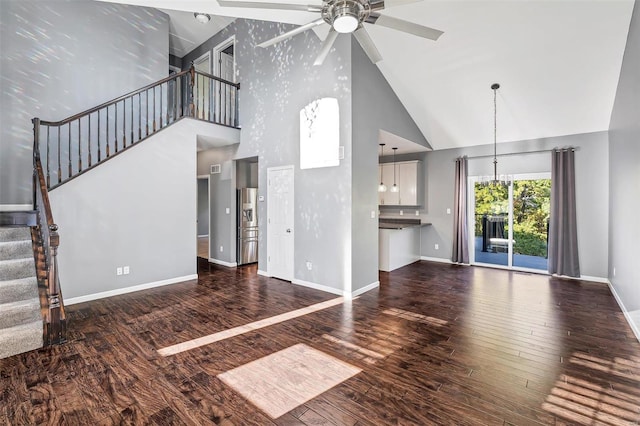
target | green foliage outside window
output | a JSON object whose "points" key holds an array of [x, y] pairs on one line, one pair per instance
{"points": [[531, 199]]}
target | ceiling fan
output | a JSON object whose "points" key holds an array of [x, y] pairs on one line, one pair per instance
{"points": [[344, 16]]}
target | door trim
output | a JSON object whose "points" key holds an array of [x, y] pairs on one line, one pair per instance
{"points": [[269, 247], [216, 52]]}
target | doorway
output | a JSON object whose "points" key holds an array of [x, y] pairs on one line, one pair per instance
{"points": [[225, 68], [202, 221], [280, 222], [202, 90], [510, 223]]}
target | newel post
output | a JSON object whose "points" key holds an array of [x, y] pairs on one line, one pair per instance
{"points": [[56, 323]]}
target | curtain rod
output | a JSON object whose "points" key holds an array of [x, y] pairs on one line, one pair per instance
{"points": [[523, 152]]}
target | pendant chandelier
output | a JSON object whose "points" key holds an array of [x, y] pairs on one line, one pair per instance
{"points": [[395, 187], [495, 180], [382, 187]]}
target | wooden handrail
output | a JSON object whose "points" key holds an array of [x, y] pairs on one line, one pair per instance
{"points": [[113, 101], [48, 242], [77, 144]]}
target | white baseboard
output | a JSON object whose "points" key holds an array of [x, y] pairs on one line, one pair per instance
{"points": [[203, 235], [635, 327], [362, 290], [223, 263], [582, 278], [436, 259], [15, 207], [125, 290], [316, 286], [263, 273]]}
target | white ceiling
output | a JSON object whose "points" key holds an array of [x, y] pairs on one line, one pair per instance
{"points": [[557, 61], [185, 34]]}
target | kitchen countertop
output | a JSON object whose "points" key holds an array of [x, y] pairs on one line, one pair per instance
{"points": [[400, 223]]}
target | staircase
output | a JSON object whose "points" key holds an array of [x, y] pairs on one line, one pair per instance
{"points": [[21, 326]]}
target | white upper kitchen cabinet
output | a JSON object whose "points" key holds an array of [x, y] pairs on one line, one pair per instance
{"points": [[406, 177]]}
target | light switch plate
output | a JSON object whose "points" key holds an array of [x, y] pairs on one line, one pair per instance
{"points": [[227, 210], [373, 214]]}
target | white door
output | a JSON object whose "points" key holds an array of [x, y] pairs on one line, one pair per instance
{"points": [[280, 222], [202, 88]]}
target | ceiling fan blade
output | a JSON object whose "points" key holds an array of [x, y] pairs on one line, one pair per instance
{"points": [[367, 45], [404, 26], [284, 36], [326, 46], [384, 4], [266, 5]]}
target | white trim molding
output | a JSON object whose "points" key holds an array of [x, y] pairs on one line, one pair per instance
{"points": [[15, 207], [436, 259], [263, 273], [223, 263], [362, 290], [633, 323], [125, 290], [316, 286]]}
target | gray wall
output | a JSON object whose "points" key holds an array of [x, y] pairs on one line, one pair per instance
{"points": [[203, 206], [276, 83], [130, 211], [624, 178], [592, 191], [375, 107], [51, 55]]}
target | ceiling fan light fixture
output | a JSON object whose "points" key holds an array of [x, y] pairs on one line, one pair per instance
{"points": [[346, 17], [203, 18]]}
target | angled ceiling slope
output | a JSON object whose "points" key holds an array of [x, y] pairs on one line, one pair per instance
{"points": [[558, 63]]}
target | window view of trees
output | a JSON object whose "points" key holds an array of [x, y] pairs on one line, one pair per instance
{"points": [[531, 200]]}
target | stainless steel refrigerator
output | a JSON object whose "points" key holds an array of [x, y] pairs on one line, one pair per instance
{"points": [[247, 208]]}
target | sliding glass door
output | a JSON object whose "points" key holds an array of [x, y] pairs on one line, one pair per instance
{"points": [[510, 222]]}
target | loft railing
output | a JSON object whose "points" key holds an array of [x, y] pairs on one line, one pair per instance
{"points": [[47, 242], [77, 144]]}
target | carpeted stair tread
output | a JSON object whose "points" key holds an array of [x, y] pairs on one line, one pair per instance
{"points": [[21, 338], [20, 312], [17, 268], [15, 249], [20, 289], [15, 234]]}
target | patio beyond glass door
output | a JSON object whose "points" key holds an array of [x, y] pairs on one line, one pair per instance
{"points": [[511, 222]]}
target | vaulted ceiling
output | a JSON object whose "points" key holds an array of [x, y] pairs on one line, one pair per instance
{"points": [[557, 61]]}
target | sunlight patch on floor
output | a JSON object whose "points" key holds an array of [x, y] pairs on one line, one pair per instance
{"points": [[282, 381], [256, 325], [412, 316]]}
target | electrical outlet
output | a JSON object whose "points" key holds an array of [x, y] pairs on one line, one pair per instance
{"points": [[401, 213], [417, 212], [448, 211], [227, 211], [309, 265], [118, 271], [125, 270], [436, 246], [373, 214], [221, 249]]}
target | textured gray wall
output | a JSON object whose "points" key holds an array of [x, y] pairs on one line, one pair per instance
{"points": [[137, 209], [624, 178], [375, 107], [592, 191], [60, 58], [276, 83]]}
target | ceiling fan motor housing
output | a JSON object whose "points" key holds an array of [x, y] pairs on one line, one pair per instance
{"points": [[345, 16]]}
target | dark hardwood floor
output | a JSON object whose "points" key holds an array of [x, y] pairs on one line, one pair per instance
{"points": [[437, 344]]}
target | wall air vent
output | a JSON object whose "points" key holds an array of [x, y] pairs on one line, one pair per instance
{"points": [[215, 169]]}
